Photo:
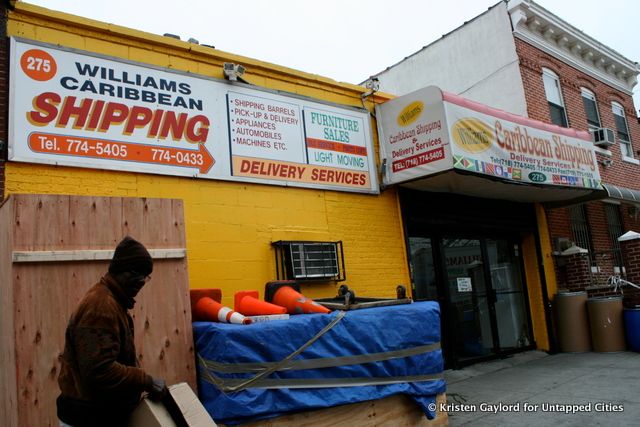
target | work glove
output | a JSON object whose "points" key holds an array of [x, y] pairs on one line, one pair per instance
{"points": [[157, 389]]}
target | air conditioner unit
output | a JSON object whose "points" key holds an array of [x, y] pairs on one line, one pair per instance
{"points": [[603, 137]]}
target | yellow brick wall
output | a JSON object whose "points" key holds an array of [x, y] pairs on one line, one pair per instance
{"points": [[229, 226]]}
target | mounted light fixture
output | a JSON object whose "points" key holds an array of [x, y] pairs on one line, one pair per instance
{"points": [[233, 72]]}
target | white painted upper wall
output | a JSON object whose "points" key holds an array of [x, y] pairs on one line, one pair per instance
{"points": [[477, 60]]}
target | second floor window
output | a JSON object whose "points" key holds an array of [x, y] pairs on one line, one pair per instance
{"points": [[622, 130], [554, 98], [590, 108]]}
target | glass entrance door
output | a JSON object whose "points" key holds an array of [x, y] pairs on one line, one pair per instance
{"points": [[480, 287], [510, 302], [468, 299]]}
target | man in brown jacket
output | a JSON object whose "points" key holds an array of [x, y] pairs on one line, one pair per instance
{"points": [[100, 380]]}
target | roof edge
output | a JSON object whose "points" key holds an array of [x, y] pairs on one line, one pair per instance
{"points": [[68, 19], [541, 28]]}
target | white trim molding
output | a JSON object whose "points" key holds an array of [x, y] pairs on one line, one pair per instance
{"points": [[537, 26], [630, 160], [88, 255]]}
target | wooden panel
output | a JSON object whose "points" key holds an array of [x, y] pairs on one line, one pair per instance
{"points": [[8, 387], [393, 411], [41, 222], [45, 293], [164, 338], [164, 211], [45, 297], [142, 216], [102, 216]]}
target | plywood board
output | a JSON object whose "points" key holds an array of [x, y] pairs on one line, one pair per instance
{"points": [[84, 214], [39, 297], [8, 386]]}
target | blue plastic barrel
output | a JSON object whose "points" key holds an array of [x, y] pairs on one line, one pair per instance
{"points": [[632, 327]]}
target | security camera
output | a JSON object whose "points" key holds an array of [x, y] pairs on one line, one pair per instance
{"points": [[606, 162], [232, 71], [373, 84]]}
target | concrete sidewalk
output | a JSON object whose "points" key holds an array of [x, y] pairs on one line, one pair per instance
{"points": [[536, 389]]}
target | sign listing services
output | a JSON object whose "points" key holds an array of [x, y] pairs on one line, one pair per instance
{"points": [[413, 135], [428, 131], [79, 109], [508, 148]]}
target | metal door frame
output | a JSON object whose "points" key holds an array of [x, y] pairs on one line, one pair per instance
{"points": [[449, 325]]}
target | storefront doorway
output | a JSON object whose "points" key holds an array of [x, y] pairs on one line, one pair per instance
{"points": [[482, 294], [473, 268]]}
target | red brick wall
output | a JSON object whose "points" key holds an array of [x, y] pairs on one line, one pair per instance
{"points": [[577, 272], [532, 60], [602, 243], [621, 173], [559, 223]]}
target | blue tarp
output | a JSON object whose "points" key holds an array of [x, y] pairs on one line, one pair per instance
{"points": [[367, 354]]}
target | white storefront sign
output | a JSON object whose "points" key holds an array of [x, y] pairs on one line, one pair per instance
{"points": [[79, 109], [428, 131]]}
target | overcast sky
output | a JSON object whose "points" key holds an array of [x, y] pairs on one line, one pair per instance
{"points": [[347, 40]]}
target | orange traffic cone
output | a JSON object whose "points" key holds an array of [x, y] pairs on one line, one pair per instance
{"points": [[209, 310], [285, 295], [249, 304], [213, 293]]}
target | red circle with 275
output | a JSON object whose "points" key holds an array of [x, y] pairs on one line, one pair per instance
{"points": [[38, 64]]}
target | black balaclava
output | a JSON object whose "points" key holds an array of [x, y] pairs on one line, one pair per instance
{"points": [[131, 255], [131, 264]]}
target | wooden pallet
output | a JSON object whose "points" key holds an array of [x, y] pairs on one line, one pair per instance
{"points": [[393, 411]]}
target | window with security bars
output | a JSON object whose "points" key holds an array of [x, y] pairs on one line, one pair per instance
{"points": [[580, 228], [614, 222], [553, 93], [309, 260], [622, 129]]}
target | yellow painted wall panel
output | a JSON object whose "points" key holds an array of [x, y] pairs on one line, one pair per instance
{"points": [[225, 233], [104, 47], [256, 198], [21, 29], [210, 70], [534, 289], [255, 79], [183, 64], [147, 56], [278, 84], [547, 251], [63, 38]]}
